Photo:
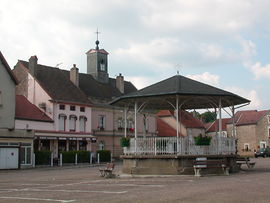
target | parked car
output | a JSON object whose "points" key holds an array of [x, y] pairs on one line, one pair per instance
{"points": [[263, 152]]}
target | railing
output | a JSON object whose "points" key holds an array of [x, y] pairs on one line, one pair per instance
{"points": [[179, 146]]}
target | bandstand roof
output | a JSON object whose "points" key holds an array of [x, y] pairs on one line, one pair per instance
{"points": [[191, 95]]}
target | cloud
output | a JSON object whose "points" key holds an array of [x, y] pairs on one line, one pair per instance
{"points": [[207, 78], [141, 82], [260, 71], [249, 94]]}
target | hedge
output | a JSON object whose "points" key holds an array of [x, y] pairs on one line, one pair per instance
{"points": [[69, 157], [43, 157], [104, 155]]}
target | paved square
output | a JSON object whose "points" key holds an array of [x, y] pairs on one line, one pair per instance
{"points": [[84, 185]]}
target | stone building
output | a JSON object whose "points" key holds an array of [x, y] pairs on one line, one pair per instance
{"points": [[252, 130]]}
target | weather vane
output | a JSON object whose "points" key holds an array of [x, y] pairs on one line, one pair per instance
{"points": [[97, 32]]}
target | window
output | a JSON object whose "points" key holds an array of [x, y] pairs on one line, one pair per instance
{"points": [[83, 145], [246, 147], [269, 131], [62, 107], [72, 123], [267, 116], [1, 99], [82, 109], [72, 145], [146, 124], [262, 144], [120, 124], [130, 125], [101, 124], [101, 145], [102, 65], [83, 120], [25, 153], [72, 108], [62, 122]]}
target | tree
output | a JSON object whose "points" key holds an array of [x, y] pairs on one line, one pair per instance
{"points": [[206, 117]]}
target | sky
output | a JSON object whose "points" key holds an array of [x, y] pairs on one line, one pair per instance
{"points": [[224, 43]]}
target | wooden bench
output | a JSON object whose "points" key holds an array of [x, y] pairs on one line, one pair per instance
{"points": [[244, 160], [204, 163], [107, 172]]}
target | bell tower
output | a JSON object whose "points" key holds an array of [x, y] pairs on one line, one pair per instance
{"points": [[97, 63]]}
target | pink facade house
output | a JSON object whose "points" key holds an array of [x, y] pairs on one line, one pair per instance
{"points": [[189, 125], [78, 103], [62, 101]]}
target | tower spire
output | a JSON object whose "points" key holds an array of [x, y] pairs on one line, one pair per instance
{"points": [[97, 42]]}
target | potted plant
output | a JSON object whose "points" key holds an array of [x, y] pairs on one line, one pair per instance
{"points": [[125, 142], [202, 140]]}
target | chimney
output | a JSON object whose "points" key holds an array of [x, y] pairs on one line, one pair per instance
{"points": [[74, 75], [120, 84], [33, 65]]}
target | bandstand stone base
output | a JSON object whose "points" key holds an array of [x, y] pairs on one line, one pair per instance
{"points": [[171, 164]]}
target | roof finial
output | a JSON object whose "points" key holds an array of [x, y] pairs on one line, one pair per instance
{"points": [[178, 68], [97, 42]]}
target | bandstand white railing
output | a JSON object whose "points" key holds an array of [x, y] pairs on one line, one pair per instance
{"points": [[179, 146]]}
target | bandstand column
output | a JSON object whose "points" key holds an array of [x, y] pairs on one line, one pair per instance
{"points": [[125, 117], [177, 122], [219, 125], [135, 124]]}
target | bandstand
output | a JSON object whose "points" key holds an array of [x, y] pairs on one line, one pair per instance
{"points": [[175, 155]]}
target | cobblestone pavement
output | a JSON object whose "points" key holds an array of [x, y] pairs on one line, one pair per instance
{"points": [[83, 184]]}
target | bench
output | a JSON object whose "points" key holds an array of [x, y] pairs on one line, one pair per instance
{"points": [[244, 160], [107, 172], [204, 163]]}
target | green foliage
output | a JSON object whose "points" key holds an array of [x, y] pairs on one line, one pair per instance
{"points": [[202, 140], [69, 157], [43, 157], [83, 156], [104, 155], [125, 142], [207, 116]]}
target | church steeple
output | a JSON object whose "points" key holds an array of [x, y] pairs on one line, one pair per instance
{"points": [[97, 63]]}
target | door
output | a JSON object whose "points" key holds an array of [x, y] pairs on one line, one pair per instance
{"points": [[9, 158]]}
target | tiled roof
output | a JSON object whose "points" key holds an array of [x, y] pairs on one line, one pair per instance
{"points": [[248, 117], [164, 129], [5, 64], [214, 126], [185, 117], [28, 111], [57, 84], [103, 51], [185, 89]]}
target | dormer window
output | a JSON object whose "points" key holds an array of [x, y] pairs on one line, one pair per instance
{"points": [[102, 65]]}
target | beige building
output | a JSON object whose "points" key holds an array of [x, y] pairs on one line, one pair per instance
{"points": [[16, 146], [252, 130]]}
